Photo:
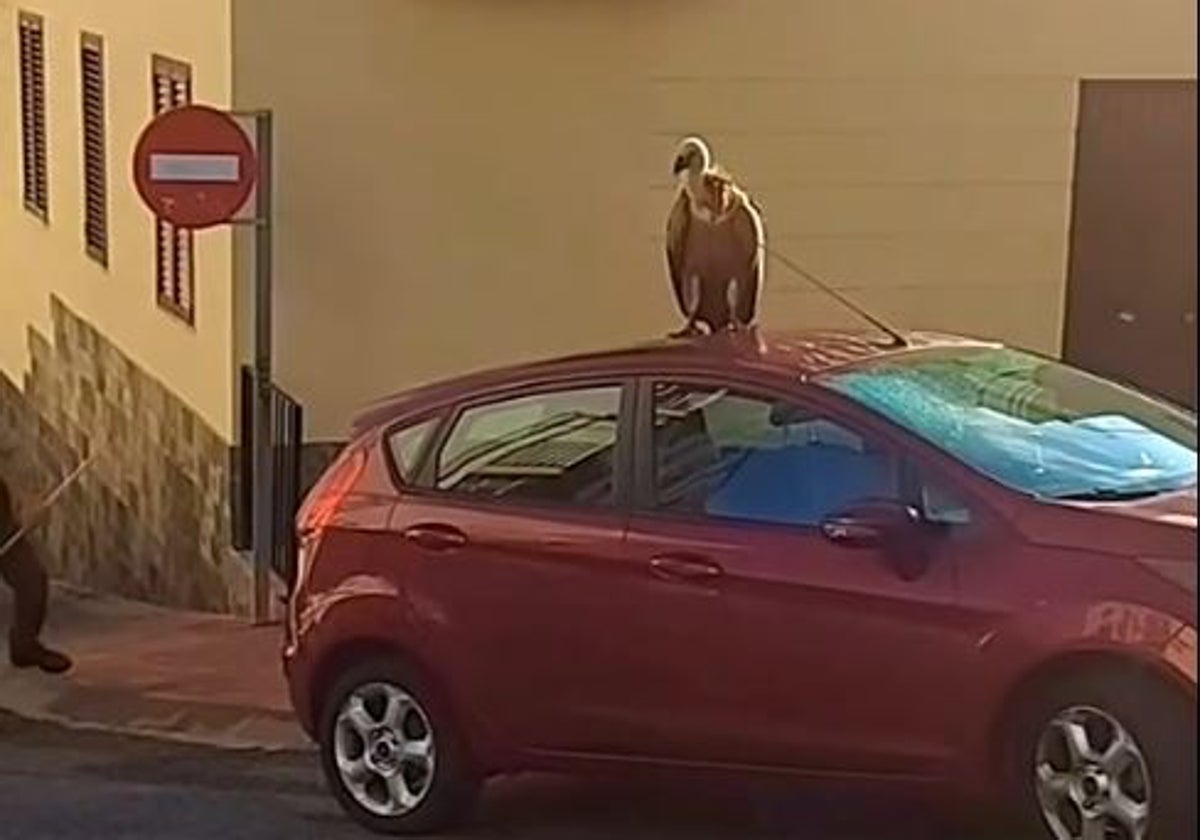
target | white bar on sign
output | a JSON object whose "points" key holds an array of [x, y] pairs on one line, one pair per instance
{"points": [[201, 168]]}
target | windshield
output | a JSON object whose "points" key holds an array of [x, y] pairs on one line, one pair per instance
{"points": [[1035, 425]]}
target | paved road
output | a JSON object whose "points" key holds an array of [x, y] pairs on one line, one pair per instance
{"points": [[61, 785]]}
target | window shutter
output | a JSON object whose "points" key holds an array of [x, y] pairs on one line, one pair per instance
{"points": [[171, 87], [34, 177], [95, 164]]}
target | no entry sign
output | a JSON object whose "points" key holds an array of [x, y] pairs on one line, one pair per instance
{"points": [[194, 166]]}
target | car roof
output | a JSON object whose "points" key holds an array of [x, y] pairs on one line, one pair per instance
{"points": [[794, 353]]}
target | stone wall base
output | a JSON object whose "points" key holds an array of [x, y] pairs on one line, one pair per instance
{"points": [[150, 519]]}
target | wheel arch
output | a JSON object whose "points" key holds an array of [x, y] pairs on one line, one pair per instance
{"points": [[359, 650], [1065, 666]]}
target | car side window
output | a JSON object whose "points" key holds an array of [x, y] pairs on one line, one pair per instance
{"points": [[557, 446], [726, 454], [406, 445]]}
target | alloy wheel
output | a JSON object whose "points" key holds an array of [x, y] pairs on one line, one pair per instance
{"points": [[384, 749], [1091, 778]]}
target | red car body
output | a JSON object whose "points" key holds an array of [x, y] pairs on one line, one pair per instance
{"points": [[578, 638]]}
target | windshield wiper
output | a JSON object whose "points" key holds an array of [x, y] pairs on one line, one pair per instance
{"points": [[1108, 494]]}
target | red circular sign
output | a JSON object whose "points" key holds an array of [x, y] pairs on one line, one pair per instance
{"points": [[194, 166]]}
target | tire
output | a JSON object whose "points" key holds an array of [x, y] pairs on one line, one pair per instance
{"points": [[1159, 772], [415, 749]]}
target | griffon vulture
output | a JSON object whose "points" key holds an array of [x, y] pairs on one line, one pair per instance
{"points": [[714, 245]]}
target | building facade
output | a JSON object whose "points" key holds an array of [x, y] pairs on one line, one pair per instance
{"points": [[490, 180], [116, 338], [470, 182]]}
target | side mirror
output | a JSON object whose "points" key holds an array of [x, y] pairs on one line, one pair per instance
{"points": [[894, 528], [870, 524]]}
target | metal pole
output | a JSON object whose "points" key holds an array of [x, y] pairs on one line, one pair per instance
{"points": [[264, 501]]}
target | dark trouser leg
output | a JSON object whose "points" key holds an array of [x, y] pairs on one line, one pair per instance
{"points": [[23, 572]]}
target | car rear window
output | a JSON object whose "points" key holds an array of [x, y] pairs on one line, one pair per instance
{"points": [[555, 446], [407, 444]]}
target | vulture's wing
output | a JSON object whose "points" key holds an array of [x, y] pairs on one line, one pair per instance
{"points": [[748, 233], [677, 233]]}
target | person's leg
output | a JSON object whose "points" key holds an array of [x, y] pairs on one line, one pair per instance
{"points": [[23, 572]]}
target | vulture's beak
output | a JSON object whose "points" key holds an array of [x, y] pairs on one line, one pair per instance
{"points": [[681, 163]]}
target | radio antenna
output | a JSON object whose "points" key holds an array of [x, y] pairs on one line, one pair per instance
{"points": [[898, 340]]}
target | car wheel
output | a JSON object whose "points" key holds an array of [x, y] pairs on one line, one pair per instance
{"points": [[1104, 758], [391, 754]]}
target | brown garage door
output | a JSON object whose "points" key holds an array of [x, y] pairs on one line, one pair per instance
{"points": [[1131, 290]]}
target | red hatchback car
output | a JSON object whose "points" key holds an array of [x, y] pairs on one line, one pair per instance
{"points": [[933, 560]]}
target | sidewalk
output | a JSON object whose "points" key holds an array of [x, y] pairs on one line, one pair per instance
{"points": [[144, 670]]}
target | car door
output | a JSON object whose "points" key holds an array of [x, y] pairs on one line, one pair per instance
{"points": [[516, 563], [803, 652]]}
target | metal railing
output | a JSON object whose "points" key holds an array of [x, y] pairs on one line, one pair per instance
{"points": [[287, 438]]}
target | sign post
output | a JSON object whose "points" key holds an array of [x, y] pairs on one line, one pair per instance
{"points": [[264, 486], [195, 167]]}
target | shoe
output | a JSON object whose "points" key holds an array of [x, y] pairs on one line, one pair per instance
{"points": [[38, 656]]}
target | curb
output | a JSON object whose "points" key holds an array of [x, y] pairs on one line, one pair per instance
{"points": [[55, 700]]}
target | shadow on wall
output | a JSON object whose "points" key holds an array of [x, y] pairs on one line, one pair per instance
{"points": [[150, 519]]}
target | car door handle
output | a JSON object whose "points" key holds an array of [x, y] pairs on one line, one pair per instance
{"points": [[675, 567], [435, 537]]}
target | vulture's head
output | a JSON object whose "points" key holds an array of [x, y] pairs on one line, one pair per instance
{"points": [[693, 157]]}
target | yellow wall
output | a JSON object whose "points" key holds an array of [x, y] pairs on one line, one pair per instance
{"points": [[467, 181], [38, 260]]}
